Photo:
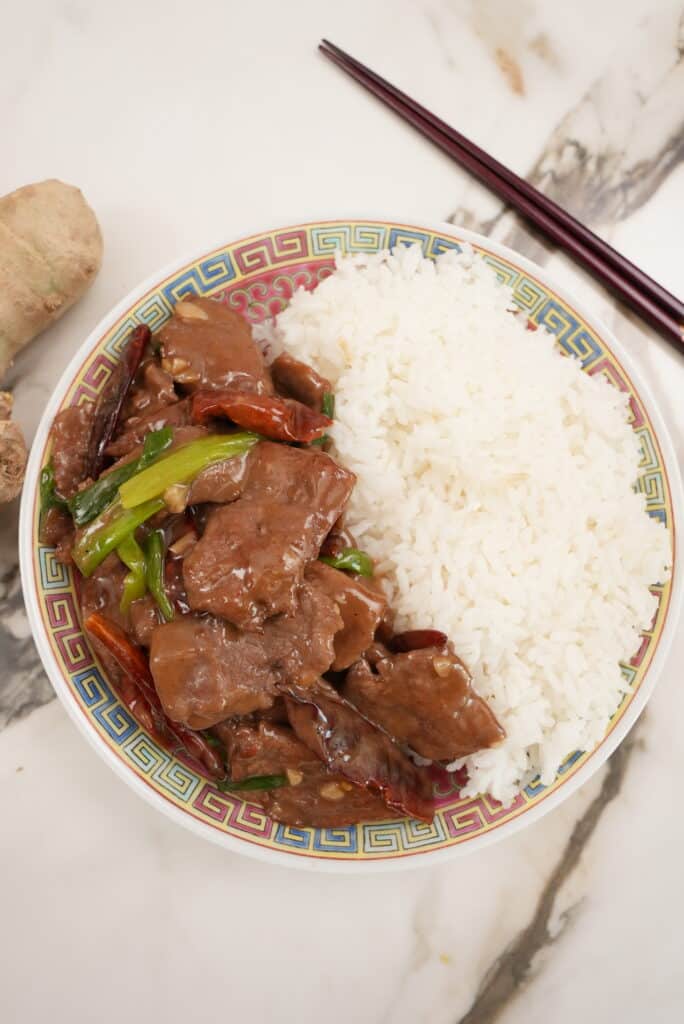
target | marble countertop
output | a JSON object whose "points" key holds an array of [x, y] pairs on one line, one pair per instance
{"points": [[188, 125]]}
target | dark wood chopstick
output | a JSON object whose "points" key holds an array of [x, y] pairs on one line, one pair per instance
{"points": [[653, 302], [652, 288]]}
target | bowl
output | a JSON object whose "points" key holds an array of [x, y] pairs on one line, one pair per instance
{"points": [[256, 276]]}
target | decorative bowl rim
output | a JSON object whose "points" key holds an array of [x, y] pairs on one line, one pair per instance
{"points": [[410, 859]]}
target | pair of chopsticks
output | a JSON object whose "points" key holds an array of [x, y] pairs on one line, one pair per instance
{"points": [[649, 299]]}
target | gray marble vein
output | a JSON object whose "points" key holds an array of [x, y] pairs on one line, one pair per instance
{"points": [[596, 164], [606, 183], [516, 965], [23, 683], [602, 161]]}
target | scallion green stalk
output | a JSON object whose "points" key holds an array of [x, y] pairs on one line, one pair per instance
{"points": [[182, 465]]}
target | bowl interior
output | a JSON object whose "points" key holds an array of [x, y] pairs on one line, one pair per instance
{"points": [[257, 276]]}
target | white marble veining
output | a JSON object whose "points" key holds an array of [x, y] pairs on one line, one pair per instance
{"points": [[185, 125]]}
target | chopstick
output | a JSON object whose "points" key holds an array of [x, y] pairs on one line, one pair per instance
{"points": [[648, 298]]}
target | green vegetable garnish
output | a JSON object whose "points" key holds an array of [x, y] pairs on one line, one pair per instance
{"points": [[105, 533], [154, 557], [183, 465], [256, 782], [328, 409], [328, 405], [48, 493], [351, 560], [87, 504], [134, 585]]}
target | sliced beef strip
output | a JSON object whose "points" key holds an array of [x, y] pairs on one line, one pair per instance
{"points": [[322, 800], [134, 430], [251, 557], [301, 646], [425, 698], [65, 547], [207, 345], [152, 391], [299, 476], [362, 604], [357, 749], [248, 562], [144, 617], [295, 379], [70, 447], [314, 796], [206, 670], [221, 483], [261, 748], [175, 587], [276, 714], [159, 384], [57, 530]]}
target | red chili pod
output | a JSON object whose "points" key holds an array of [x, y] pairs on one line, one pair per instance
{"points": [[279, 419], [417, 640], [133, 663], [352, 746], [110, 403]]}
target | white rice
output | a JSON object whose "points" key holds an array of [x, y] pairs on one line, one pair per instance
{"points": [[494, 490]]}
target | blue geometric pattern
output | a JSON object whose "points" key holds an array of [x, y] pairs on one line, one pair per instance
{"points": [[406, 834], [54, 575], [328, 239], [571, 334], [336, 840], [298, 838], [534, 788], [203, 279]]}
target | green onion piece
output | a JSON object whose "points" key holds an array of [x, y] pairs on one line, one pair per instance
{"points": [[87, 504], [183, 465], [351, 560], [256, 782], [328, 409], [105, 533], [134, 584], [156, 442], [328, 405], [155, 553], [48, 493]]}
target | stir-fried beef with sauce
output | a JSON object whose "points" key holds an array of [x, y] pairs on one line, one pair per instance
{"points": [[208, 345], [204, 517], [425, 699], [250, 562]]}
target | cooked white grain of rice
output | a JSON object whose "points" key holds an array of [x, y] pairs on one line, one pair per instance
{"points": [[494, 490]]}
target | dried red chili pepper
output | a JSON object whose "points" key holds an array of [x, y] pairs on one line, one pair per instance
{"points": [[352, 746], [417, 640], [279, 419], [112, 398], [133, 663]]}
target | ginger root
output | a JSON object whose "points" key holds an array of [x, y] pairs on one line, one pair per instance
{"points": [[50, 252], [13, 453]]}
